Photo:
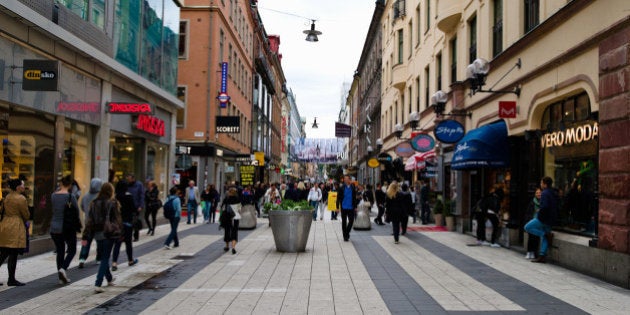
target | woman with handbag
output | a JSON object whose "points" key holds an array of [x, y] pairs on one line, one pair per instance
{"points": [[13, 214], [64, 226], [229, 219], [127, 212], [395, 211], [103, 224], [153, 204]]}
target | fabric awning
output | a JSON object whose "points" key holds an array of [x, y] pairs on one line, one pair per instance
{"points": [[486, 146], [416, 161]]}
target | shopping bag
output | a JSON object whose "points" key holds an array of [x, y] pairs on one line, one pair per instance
{"points": [[332, 201]]}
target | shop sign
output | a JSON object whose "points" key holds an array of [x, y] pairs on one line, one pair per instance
{"points": [[228, 124], [151, 124], [259, 158], [247, 174], [404, 149], [78, 107], [40, 75], [384, 158], [507, 109], [373, 163], [574, 135], [449, 131], [342, 130], [422, 143], [129, 108]]}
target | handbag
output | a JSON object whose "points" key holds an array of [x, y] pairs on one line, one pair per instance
{"points": [[71, 220], [111, 229]]}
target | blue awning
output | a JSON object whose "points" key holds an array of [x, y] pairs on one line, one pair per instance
{"points": [[486, 146]]}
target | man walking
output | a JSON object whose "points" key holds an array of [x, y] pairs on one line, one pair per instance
{"points": [[347, 201], [136, 189], [541, 225], [424, 203], [380, 203], [192, 196]]}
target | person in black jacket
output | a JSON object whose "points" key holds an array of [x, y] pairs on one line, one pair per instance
{"points": [[407, 207], [547, 215], [489, 208], [347, 201], [380, 203], [128, 211], [395, 211]]}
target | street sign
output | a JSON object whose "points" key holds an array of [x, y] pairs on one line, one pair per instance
{"points": [[223, 98]]}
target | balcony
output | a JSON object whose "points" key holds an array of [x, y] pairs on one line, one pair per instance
{"points": [[399, 76], [449, 12]]}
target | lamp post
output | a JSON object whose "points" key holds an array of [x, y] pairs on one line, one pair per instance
{"points": [[311, 35]]}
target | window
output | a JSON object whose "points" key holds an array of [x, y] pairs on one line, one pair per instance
{"points": [[426, 87], [183, 35], [418, 92], [472, 35], [400, 46], [181, 113], [78, 7], [531, 14], [97, 13], [230, 66], [410, 27], [428, 17], [395, 112], [221, 45], [453, 59], [497, 29], [399, 9], [438, 71], [410, 98], [418, 26]]}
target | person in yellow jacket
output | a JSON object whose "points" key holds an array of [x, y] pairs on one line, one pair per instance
{"points": [[13, 214]]}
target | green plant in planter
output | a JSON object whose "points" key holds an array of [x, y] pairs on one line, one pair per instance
{"points": [[438, 208], [448, 208], [288, 205]]}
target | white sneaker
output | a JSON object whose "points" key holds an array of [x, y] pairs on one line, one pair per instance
{"points": [[98, 290], [485, 243], [62, 276], [111, 282], [167, 247], [495, 245]]}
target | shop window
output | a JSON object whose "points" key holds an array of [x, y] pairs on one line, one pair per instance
{"points": [[181, 113], [126, 156], [77, 154]]}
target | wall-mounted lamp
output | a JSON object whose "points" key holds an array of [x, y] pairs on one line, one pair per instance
{"points": [[438, 103], [414, 118], [477, 72], [311, 35], [379, 144], [315, 126], [370, 150], [398, 130]]}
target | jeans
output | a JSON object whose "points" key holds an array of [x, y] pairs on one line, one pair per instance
{"points": [[69, 239], [127, 230], [206, 210], [85, 250], [535, 227], [347, 215], [192, 210], [314, 205], [104, 250], [173, 235]]}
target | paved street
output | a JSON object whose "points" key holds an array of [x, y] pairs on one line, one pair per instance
{"points": [[428, 272]]}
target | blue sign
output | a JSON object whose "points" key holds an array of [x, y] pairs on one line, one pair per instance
{"points": [[224, 75], [449, 131], [422, 143]]}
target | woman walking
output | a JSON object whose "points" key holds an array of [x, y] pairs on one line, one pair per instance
{"points": [[13, 214], [95, 188], [394, 209], [230, 225], [153, 204], [127, 211], [64, 226], [173, 204], [102, 209]]}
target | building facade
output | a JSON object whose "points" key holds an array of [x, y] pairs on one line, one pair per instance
{"points": [[86, 89], [550, 104]]}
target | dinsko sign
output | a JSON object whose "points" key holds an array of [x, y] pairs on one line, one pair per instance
{"points": [[574, 135]]}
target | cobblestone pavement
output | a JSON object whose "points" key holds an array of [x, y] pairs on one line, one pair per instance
{"points": [[427, 273]]}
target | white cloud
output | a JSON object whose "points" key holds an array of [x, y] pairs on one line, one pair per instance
{"points": [[316, 71]]}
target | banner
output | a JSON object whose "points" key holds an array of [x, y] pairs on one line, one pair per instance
{"points": [[332, 201], [321, 151]]}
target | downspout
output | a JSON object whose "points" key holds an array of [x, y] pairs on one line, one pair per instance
{"points": [[208, 92]]}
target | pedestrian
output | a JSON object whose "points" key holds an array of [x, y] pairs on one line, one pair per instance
{"points": [[95, 188], [176, 204], [152, 205], [407, 207], [380, 203], [302, 192], [417, 202], [273, 195], [394, 210], [424, 203], [127, 211], [259, 192], [533, 241], [335, 212], [13, 216], [230, 225], [136, 189], [314, 197], [206, 203], [215, 198], [192, 199], [64, 226], [324, 201], [541, 225], [488, 209], [102, 209], [347, 201], [368, 197]]}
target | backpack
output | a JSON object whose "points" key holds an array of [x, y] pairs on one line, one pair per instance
{"points": [[169, 209]]}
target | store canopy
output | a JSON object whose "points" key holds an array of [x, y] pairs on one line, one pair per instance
{"points": [[486, 146], [417, 161]]}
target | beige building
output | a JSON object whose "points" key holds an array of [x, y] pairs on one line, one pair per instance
{"points": [[564, 66]]}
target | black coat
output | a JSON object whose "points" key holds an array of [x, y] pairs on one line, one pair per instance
{"points": [[394, 208]]}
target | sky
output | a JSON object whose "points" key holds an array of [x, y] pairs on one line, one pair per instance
{"points": [[316, 71]]}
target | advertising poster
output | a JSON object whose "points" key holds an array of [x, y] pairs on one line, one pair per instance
{"points": [[332, 201]]}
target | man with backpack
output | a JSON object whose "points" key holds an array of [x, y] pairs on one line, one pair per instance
{"points": [[172, 211]]}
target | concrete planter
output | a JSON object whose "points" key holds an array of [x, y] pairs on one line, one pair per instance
{"points": [[248, 218], [450, 223], [290, 229], [438, 219]]}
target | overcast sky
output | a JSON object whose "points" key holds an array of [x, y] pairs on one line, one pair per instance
{"points": [[316, 71]]}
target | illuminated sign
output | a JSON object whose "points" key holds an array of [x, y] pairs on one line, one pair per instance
{"points": [[247, 174], [151, 124], [568, 136], [40, 75], [78, 107], [228, 124], [129, 108], [373, 163]]}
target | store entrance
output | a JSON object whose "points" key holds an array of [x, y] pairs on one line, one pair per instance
{"points": [[126, 156]]}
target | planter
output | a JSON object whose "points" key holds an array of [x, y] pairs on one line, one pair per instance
{"points": [[248, 217], [450, 223], [290, 229], [438, 219]]}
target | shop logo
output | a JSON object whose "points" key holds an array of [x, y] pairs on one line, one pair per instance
{"points": [[39, 75], [449, 131], [129, 108], [573, 135], [404, 149], [151, 124], [422, 143], [507, 109], [78, 107], [228, 124]]}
